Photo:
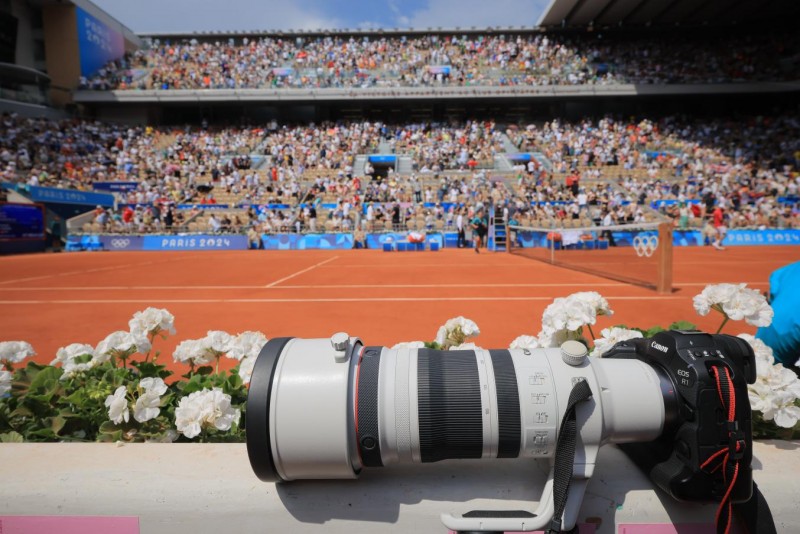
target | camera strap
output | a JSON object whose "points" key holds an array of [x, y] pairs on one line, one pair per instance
{"points": [[755, 512], [565, 453]]}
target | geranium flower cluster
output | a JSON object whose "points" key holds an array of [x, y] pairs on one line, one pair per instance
{"points": [[610, 337], [5, 380], [205, 409], [147, 404], [564, 319], [776, 389], [144, 327], [12, 352], [217, 344], [736, 302], [454, 333]]}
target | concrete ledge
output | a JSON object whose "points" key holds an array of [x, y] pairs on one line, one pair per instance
{"points": [[195, 488], [426, 93]]}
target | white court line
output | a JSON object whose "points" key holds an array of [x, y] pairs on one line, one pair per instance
{"points": [[372, 299], [69, 273], [351, 286], [298, 273]]}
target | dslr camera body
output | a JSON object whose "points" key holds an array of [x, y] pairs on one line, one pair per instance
{"points": [[677, 403], [699, 425]]}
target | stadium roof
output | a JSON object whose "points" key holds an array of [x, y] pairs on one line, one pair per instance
{"points": [[663, 13]]}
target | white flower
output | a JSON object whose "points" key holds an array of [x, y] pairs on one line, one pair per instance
{"points": [[713, 294], [455, 331], [218, 341], [205, 409], [595, 300], [68, 358], [556, 338], [118, 406], [5, 381], [148, 404], [115, 344], [192, 351], [15, 351], [764, 356], [215, 344], [151, 321], [246, 368], [612, 336], [573, 312], [776, 388], [246, 345], [736, 301], [409, 345], [525, 342]]}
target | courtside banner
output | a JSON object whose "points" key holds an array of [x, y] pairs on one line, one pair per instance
{"points": [[741, 237], [121, 242], [376, 241], [157, 242], [69, 196], [307, 241], [195, 242], [115, 186]]}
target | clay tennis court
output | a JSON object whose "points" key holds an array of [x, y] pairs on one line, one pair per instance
{"points": [[52, 300]]}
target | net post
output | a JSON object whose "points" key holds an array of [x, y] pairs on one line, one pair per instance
{"points": [[664, 284]]}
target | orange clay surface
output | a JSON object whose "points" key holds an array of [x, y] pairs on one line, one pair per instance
{"points": [[51, 300]]}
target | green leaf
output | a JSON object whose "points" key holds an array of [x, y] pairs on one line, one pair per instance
{"points": [[45, 378], [682, 325], [205, 370], [57, 423], [150, 369], [78, 397], [653, 331], [11, 437]]}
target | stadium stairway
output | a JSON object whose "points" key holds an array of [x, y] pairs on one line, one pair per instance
{"points": [[360, 163], [405, 165], [501, 163]]}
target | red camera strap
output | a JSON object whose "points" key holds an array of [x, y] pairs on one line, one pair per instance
{"points": [[726, 459]]}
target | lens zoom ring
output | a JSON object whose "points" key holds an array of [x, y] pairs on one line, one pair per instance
{"points": [[448, 389], [368, 443], [508, 414]]}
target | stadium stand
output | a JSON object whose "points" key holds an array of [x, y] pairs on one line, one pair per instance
{"points": [[488, 59], [677, 166]]}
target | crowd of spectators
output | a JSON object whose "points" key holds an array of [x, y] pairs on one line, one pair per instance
{"points": [[532, 59], [306, 177], [677, 164]]}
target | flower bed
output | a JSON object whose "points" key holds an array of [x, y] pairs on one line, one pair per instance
{"points": [[118, 390]]}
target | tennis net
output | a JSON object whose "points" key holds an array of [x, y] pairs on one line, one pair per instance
{"points": [[639, 254]]}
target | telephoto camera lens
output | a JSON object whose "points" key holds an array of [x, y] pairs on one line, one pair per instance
{"points": [[327, 408]]}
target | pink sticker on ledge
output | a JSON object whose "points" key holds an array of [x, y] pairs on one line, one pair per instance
{"points": [[584, 528], [653, 528], [52, 524]]}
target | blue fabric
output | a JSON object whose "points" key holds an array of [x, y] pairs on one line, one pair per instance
{"points": [[783, 335]]}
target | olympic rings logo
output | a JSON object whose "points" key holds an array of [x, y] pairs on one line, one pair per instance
{"points": [[120, 243], [645, 246]]}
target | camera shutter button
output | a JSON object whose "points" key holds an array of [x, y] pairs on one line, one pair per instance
{"points": [[573, 352]]}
